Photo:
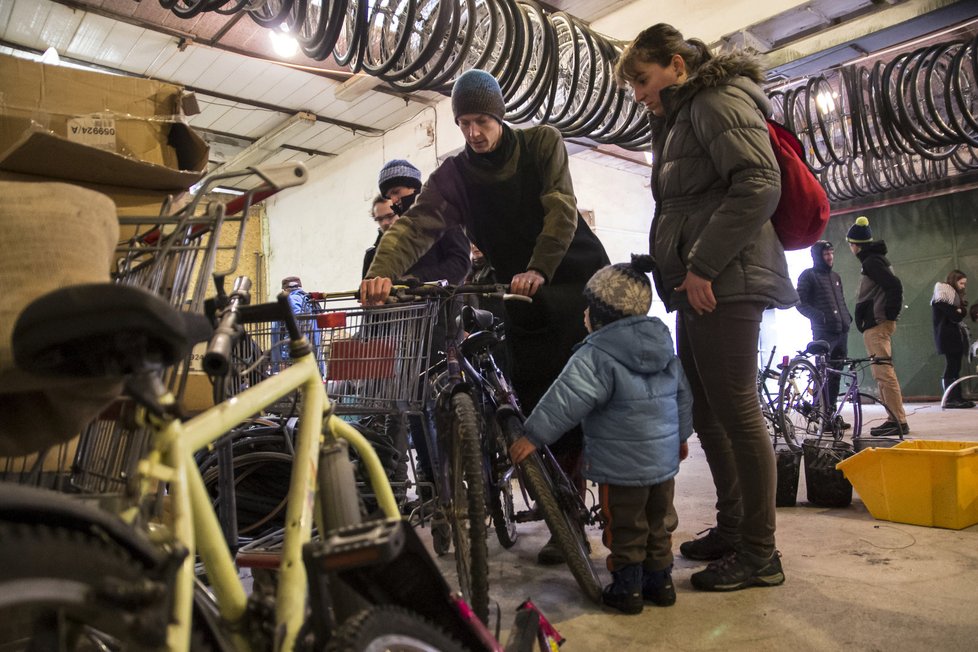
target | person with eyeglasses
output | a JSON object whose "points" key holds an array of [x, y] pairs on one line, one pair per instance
{"points": [[448, 259]]}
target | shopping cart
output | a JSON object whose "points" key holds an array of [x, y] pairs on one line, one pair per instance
{"points": [[373, 358], [373, 361], [173, 254]]}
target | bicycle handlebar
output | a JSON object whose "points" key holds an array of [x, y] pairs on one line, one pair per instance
{"points": [[405, 292], [216, 359]]}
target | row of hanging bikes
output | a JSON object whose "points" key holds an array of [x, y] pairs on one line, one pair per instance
{"points": [[274, 519]]}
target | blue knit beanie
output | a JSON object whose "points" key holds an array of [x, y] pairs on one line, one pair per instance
{"points": [[476, 91], [398, 173], [860, 233], [619, 291]]}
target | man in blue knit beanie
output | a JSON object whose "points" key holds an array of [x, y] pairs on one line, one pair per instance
{"points": [[511, 190]]}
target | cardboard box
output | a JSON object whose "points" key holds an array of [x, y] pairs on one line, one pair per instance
{"points": [[75, 125]]}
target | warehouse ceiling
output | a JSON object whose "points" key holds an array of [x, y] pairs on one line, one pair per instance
{"points": [[257, 105]]}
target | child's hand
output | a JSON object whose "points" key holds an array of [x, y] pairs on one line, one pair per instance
{"points": [[683, 451], [521, 449]]}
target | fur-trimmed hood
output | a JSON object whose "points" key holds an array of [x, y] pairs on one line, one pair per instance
{"points": [[738, 68]]}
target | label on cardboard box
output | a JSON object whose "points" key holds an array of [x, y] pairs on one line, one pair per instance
{"points": [[94, 131]]}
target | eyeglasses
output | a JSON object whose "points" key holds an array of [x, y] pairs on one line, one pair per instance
{"points": [[385, 217]]}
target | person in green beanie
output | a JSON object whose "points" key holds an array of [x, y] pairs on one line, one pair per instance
{"points": [[511, 190]]}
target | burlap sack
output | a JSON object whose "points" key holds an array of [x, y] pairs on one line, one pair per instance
{"points": [[51, 235]]}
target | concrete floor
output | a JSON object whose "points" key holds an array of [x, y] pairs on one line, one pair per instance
{"points": [[853, 582]]}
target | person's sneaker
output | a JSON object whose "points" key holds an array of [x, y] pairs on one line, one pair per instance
{"points": [[625, 592], [737, 571], [707, 548], [550, 554], [959, 405], [890, 429], [657, 587]]}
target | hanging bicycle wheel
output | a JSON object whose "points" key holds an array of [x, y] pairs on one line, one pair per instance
{"points": [[387, 34], [467, 514], [350, 42], [800, 412]]}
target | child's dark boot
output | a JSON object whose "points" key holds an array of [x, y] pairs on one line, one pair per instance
{"points": [[657, 587], [625, 593]]}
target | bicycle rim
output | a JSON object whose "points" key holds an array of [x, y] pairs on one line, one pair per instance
{"points": [[798, 411], [503, 510]]}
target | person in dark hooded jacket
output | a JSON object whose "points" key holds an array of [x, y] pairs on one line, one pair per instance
{"points": [[719, 262], [626, 386], [824, 303]]}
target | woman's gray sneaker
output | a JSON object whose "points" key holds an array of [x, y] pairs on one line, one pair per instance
{"points": [[737, 571]]}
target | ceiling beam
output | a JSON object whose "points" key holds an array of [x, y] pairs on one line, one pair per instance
{"points": [[352, 126], [244, 141], [838, 36]]}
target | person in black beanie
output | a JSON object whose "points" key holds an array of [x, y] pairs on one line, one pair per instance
{"points": [[511, 190], [824, 303], [626, 386], [878, 304]]}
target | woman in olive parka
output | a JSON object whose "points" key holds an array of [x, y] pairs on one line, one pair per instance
{"points": [[719, 263]]}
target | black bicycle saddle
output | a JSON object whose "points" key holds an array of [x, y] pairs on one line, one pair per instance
{"points": [[818, 347], [103, 330]]}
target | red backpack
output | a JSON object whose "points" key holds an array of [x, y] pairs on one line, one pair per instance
{"points": [[803, 210]]}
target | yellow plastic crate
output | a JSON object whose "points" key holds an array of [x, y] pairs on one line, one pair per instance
{"points": [[921, 482]]}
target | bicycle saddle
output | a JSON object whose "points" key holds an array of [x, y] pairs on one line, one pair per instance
{"points": [[474, 319], [103, 330], [818, 347]]}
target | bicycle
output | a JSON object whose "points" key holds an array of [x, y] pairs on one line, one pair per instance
{"points": [[138, 588], [479, 411], [768, 398], [803, 411]]}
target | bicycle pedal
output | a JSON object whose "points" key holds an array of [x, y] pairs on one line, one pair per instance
{"points": [[365, 544]]}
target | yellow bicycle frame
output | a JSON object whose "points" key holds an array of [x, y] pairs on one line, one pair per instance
{"points": [[195, 524]]}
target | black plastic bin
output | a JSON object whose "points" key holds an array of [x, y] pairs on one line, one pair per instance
{"points": [[826, 486], [789, 469]]}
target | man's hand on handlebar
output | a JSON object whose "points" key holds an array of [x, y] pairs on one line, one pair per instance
{"points": [[374, 291], [527, 283]]}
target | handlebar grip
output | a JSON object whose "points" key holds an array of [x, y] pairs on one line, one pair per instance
{"points": [[217, 359]]}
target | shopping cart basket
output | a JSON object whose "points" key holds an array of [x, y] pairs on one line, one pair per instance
{"points": [[372, 358]]}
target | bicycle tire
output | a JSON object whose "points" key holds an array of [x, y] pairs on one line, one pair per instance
{"points": [[799, 412], [468, 512], [567, 530], [391, 628], [74, 594]]}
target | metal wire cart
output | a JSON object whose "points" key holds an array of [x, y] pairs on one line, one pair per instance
{"points": [[173, 255]]}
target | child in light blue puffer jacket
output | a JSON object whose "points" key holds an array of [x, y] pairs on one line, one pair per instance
{"points": [[626, 387]]}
